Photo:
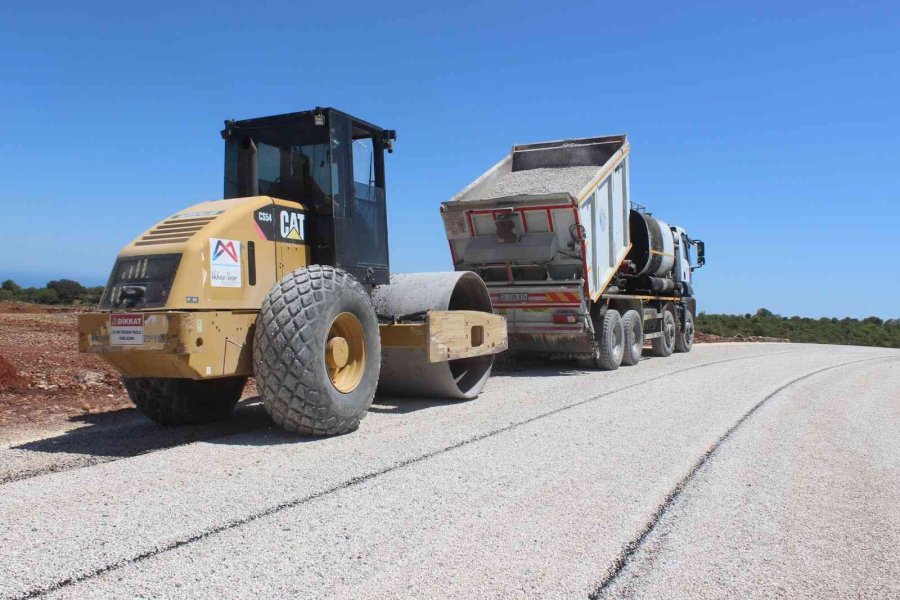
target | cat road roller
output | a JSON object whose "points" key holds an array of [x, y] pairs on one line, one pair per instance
{"points": [[287, 279]]}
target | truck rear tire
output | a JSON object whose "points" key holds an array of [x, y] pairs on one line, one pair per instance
{"points": [[665, 344], [174, 401], [633, 326], [612, 342], [317, 351], [684, 339]]}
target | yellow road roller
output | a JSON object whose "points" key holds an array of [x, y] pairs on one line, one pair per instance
{"points": [[287, 279]]}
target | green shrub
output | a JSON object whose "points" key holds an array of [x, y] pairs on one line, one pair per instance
{"points": [[60, 291], [871, 331]]}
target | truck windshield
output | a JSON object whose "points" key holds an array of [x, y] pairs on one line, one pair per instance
{"points": [[688, 249]]}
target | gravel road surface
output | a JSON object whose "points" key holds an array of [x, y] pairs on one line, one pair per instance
{"points": [[738, 470]]}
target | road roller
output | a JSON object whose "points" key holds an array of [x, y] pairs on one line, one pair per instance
{"points": [[287, 279]]}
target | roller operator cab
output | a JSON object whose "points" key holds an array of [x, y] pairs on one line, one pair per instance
{"points": [[328, 162], [287, 278]]}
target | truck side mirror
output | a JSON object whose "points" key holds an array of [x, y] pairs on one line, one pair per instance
{"points": [[701, 253]]}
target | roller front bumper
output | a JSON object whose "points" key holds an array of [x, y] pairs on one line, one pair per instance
{"points": [[193, 345]]}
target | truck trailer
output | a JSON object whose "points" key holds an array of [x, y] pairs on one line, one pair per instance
{"points": [[578, 269]]}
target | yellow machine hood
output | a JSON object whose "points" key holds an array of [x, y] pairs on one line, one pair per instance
{"points": [[217, 255]]}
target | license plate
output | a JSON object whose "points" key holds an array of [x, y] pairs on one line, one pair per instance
{"points": [[514, 297]]}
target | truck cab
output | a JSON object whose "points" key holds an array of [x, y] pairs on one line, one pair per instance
{"points": [[686, 260]]}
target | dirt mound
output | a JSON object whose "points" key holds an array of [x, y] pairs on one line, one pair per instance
{"points": [[706, 338], [52, 380], [16, 307], [22, 307], [44, 378], [9, 377]]}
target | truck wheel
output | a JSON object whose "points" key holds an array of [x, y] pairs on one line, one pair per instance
{"points": [[684, 339], [612, 342], [317, 351], [173, 401], [633, 327], [664, 345]]}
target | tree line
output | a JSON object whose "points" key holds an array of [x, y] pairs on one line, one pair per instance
{"points": [[871, 331], [59, 291]]}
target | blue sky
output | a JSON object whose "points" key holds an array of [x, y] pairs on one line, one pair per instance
{"points": [[770, 130]]}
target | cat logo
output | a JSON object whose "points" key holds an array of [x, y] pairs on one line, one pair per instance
{"points": [[292, 225], [280, 224]]}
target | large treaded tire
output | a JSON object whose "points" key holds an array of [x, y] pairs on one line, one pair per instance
{"points": [[684, 339], [290, 346], [665, 345], [171, 401], [612, 342], [633, 327]]}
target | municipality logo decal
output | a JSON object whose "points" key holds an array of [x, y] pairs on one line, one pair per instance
{"points": [[225, 263], [225, 247]]}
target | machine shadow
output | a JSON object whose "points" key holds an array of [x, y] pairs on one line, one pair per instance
{"points": [[125, 433], [538, 368], [398, 405]]}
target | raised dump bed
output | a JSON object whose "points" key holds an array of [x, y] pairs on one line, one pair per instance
{"points": [[551, 230], [552, 197]]}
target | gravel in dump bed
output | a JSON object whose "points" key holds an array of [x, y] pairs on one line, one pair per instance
{"points": [[561, 180]]}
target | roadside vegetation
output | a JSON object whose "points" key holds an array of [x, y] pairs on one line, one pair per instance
{"points": [[60, 291], [871, 331]]}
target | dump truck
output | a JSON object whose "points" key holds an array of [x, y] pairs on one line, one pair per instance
{"points": [[287, 278], [578, 269]]}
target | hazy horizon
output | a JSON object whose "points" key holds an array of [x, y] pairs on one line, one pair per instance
{"points": [[767, 130]]}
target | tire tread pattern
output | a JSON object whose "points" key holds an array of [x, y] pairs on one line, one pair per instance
{"points": [[173, 401], [661, 346], [684, 340], [290, 338], [606, 359], [634, 337]]}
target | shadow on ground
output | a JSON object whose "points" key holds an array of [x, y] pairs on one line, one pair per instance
{"points": [[126, 432]]}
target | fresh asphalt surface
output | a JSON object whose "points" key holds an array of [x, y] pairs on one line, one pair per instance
{"points": [[738, 470]]}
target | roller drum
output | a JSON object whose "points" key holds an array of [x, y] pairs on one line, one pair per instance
{"points": [[406, 371]]}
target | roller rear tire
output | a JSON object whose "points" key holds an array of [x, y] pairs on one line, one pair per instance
{"points": [[317, 351], [634, 338], [172, 401]]}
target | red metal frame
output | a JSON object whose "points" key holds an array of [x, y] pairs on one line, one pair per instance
{"points": [[548, 208]]}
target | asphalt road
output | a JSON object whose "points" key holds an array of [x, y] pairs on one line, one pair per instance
{"points": [[739, 470]]}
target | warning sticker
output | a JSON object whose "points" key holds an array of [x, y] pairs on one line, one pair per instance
{"points": [[455, 224], [126, 329], [225, 263]]}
